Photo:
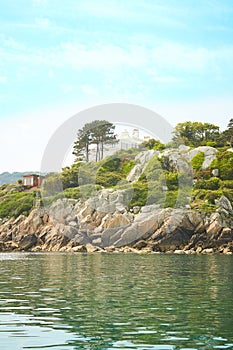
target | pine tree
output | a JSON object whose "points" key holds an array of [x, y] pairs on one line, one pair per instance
{"points": [[98, 132], [82, 145], [227, 135]]}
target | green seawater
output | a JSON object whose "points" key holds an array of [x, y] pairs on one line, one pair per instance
{"points": [[115, 301]]}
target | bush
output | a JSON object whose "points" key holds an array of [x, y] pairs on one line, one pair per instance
{"points": [[224, 162], [15, 204], [198, 160], [227, 184], [213, 183], [127, 166], [203, 174], [153, 144], [211, 196], [108, 178], [139, 194], [85, 191], [155, 193], [172, 180], [70, 175], [211, 143], [52, 185], [153, 170]]}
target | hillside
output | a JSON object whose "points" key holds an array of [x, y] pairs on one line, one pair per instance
{"points": [[159, 199], [181, 177]]}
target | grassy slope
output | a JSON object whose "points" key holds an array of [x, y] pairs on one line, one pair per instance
{"points": [[155, 185]]}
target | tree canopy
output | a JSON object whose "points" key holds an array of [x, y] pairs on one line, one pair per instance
{"points": [[227, 135], [97, 132], [195, 133]]}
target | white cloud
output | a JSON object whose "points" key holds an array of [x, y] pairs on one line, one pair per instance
{"points": [[42, 22], [165, 59], [3, 79], [100, 56], [40, 2], [212, 110], [89, 90], [141, 12], [51, 73], [181, 57]]}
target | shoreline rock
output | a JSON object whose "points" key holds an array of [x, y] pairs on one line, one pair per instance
{"points": [[86, 227]]}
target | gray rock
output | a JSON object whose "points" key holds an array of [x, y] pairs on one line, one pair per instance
{"points": [[27, 242], [149, 208], [224, 203], [209, 155], [141, 159]]}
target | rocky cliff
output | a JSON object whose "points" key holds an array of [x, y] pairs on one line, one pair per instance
{"points": [[103, 224]]}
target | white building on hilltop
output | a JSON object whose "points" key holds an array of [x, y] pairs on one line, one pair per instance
{"points": [[124, 141]]}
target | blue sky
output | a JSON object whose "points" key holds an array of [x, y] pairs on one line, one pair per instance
{"points": [[58, 57]]}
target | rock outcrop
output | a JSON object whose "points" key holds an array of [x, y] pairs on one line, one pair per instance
{"points": [[180, 159], [142, 160], [75, 226]]}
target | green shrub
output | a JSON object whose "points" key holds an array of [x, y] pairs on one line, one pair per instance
{"points": [[198, 160], [203, 174], [207, 207], [185, 180], [139, 194], [85, 191], [70, 175], [52, 185], [224, 162], [211, 196], [170, 199], [87, 173], [153, 144], [127, 166], [108, 179], [213, 183], [111, 164], [15, 204], [211, 143], [155, 193], [227, 184], [171, 180], [153, 170]]}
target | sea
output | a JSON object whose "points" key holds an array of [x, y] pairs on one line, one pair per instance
{"points": [[118, 301]]}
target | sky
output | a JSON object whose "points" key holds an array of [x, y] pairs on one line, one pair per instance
{"points": [[58, 58]]}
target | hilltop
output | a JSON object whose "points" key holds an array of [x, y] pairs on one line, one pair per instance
{"points": [[158, 199]]}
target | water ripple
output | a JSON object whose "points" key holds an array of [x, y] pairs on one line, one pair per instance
{"points": [[108, 302]]}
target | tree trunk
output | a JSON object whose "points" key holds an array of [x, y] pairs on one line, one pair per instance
{"points": [[97, 152], [102, 150], [87, 153]]}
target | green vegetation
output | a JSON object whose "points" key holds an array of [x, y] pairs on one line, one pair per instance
{"points": [[160, 182], [195, 133], [212, 184], [98, 132], [197, 161], [227, 136], [14, 201], [224, 163], [153, 144]]}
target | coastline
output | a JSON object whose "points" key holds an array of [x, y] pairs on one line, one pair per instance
{"points": [[78, 227]]}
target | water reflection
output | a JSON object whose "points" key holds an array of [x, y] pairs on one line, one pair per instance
{"points": [[116, 301]]}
